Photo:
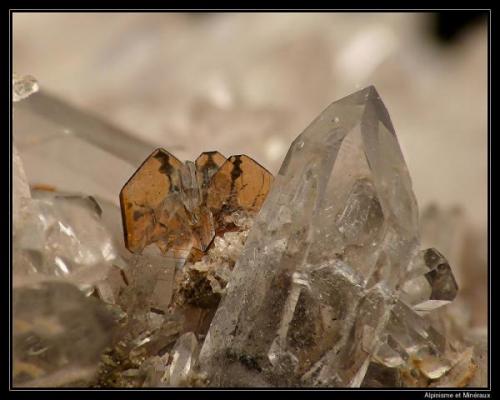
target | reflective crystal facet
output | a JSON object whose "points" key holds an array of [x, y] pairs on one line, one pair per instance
{"points": [[58, 334], [325, 287], [62, 235], [313, 298], [430, 283]]}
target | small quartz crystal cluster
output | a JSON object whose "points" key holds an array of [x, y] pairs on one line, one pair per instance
{"points": [[319, 283]]}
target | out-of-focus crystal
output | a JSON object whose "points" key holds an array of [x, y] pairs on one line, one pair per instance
{"points": [[140, 351], [415, 341], [23, 87], [63, 236], [154, 303], [155, 369], [462, 372], [58, 334], [70, 150]]}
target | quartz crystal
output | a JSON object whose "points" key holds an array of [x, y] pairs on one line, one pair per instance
{"points": [[315, 298], [60, 246], [58, 334], [70, 150], [63, 236], [162, 311], [326, 286]]}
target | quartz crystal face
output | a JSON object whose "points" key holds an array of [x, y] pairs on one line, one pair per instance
{"points": [[181, 207], [315, 297], [184, 356], [62, 235], [431, 283]]}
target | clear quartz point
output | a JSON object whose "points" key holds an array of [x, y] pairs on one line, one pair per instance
{"points": [[147, 282], [20, 191], [62, 236], [313, 298]]}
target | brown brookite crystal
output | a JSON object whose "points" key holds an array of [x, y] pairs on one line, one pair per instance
{"points": [[181, 207]]}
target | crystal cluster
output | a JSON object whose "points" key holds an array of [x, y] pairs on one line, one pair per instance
{"points": [[331, 285], [327, 286], [59, 334], [61, 249], [62, 235], [162, 310]]}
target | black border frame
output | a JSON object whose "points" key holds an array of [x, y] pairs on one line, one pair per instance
{"points": [[389, 392]]}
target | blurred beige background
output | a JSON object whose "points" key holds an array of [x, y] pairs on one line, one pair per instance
{"points": [[250, 83]]}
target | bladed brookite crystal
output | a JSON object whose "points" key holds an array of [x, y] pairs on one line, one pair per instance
{"points": [[314, 299], [181, 207]]}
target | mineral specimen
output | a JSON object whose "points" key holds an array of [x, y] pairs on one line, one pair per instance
{"points": [[325, 286], [62, 235], [184, 356], [181, 207], [431, 283], [60, 245], [317, 297]]}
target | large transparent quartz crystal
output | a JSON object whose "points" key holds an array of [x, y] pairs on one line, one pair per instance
{"points": [[63, 226], [332, 287]]}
